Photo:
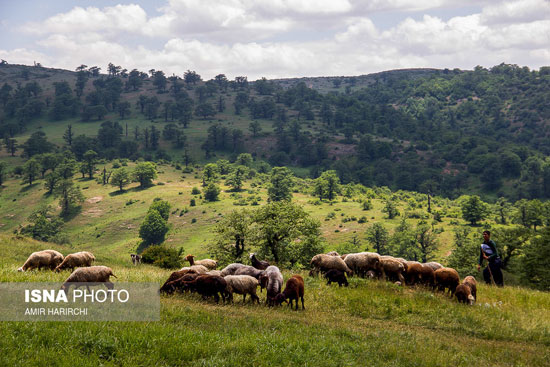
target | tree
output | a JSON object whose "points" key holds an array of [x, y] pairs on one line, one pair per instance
{"points": [[210, 173], [2, 173], [327, 186], [68, 135], [232, 235], [31, 170], [191, 77], [161, 206], [69, 195], [11, 146], [144, 173], [465, 253], [473, 209], [153, 229], [44, 225], [205, 110], [37, 144], [390, 209], [120, 178], [90, 158], [426, 242], [286, 232], [535, 270], [124, 109], [280, 184], [378, 237], [236, 178], [255, 128], [211, 192]]}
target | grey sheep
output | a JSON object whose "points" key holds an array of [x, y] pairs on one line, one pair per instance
{"points": [[242, 284], [249, 270], [231, 269], [76, 260], [214, 272], [360, 263], [42, 259], [434, 265], [90, 274], [272, 280], [326, 262]]}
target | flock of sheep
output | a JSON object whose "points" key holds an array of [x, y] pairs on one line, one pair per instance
{"points": [[202, 277]]}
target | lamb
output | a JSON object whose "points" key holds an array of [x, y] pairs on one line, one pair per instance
{"points": [[414, 272], [272, 280], [170, 286], [78, 259], [360, 263], [90, 274], [258, 264], [336, 276], [208, 263], [392, 267], [327, 262], [242, 284], [201, 269], [207, 285], [42, 259], [231, 269], [471, 283], [447, 278], [136, 259], [434, 265], [294, 290], [249, 270]]}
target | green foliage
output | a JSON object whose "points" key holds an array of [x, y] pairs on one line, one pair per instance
{"points": [[69, 195], [236, 178], [144, 173], [162, 206], [536, 271], [44, 224], [378, 237], [390, 208], [195, 191], [327, 186], [120, 178], [162, 256], [473, 209], [280, 185], [153, 229], [211, 192]]}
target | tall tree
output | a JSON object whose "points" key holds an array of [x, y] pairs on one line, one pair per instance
{"points": [[280, 184]]}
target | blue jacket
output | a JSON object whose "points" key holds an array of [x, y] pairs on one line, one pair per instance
{"points": [[490, 250]]}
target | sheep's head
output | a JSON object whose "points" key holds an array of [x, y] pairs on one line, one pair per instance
{"points": [[279, 299], [20, 269], [189, 257], [471, 299]]}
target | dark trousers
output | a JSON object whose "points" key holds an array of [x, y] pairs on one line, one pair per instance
{"points": [[495, 271]]}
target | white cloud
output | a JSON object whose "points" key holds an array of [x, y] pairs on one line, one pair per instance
{"points": [[516, 11]]}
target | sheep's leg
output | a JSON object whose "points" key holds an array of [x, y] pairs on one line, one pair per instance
{"points": [[244, 297], [303, 307], [109, 285]]}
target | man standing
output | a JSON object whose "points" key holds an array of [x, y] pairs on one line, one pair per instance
{"points": [[489, 252]]}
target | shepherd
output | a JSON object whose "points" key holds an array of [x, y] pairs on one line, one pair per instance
{"points": [[488, 251]]}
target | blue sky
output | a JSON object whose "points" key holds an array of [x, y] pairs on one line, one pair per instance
{"points": [[276, 38]]}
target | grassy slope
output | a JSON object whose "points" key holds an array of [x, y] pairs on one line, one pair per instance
{"points": [[369, 323]]}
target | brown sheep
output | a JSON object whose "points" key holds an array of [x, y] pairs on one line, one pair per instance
{"points": [[208, 263], [447, 278], [207, 285], [471, 281], [414, 272], [178, 274], [434, 265], [294, 290], [90, 274], [76, 260], [170, 286], [42, 259], [392, 267], [427, 275], [463, 294], [336, 276]]}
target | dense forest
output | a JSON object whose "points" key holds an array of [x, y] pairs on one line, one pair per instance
{"points": [[447, 132]]}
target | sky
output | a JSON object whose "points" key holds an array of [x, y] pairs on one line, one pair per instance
{"points": [[275, 38]]}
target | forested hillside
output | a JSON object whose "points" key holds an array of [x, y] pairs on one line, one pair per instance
{"points": [[448, 132]]}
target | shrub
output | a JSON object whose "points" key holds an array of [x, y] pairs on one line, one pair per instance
{"points": [[211, 192], [363, 219], [192, 202], [153, 229], [162, 256], [195, 191]]}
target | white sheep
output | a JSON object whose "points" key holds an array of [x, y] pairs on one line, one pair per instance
{"points": [[360, 263], [389, 265], [46, 258], [208, 263], [249, 270], [200, 269], [272, 280], [242, 284], [324, 263], [90, 274], [78, 259]]}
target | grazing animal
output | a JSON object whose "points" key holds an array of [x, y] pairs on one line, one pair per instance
{"points": [[258, 264], [214, 272], [362, 262], [242, 284], [208, 263], [294, 290], [413, 273], [272, 280], [471, 282], [231, 269], [427, 275], [207, 286], [201, 269], [447, 278], [170, 286], [434, 265], [136, 259], [76, 260], [392, 267], [333, 253], [42, 259], [249, 270], [177, 275], [90, 274], [326, 262], [336, 276]]}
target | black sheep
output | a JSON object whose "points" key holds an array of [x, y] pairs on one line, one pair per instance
{"points": [[336, 276], [258, 264]]}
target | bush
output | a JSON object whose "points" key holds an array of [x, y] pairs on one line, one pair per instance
{"points": [[153, 229], [162, 256], [192, 202], [211, 192], [162, 206], [195, 191]]}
